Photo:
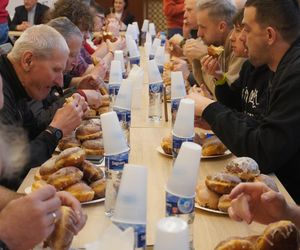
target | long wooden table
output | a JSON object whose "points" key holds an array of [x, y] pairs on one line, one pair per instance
{"points": [[145, 136]]}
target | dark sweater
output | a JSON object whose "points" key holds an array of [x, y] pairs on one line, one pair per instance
{"points": [[247, 94], [17, 113], [273, 141]]}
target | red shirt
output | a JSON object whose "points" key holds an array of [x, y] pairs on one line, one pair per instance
{"points": [[174, 10], [3, 11]]}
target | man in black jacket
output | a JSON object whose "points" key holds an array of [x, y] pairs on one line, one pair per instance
{"points": [[272, 29], [35, 65], [29, 14]]}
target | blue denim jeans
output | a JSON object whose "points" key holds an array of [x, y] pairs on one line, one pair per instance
{"points": [[3, 33]]}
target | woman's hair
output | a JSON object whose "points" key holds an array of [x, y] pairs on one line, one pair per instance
{"points": [[238, 18], [76, 11]]}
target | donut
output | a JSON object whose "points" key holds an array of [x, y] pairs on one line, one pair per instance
{"points": [[244, 167], [65, 177], [70, 157], [99, 188], [222, 183], [81, 192]]}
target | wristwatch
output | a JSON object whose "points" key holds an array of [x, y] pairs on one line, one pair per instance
{"points": [[58, 134], [3, 246]]}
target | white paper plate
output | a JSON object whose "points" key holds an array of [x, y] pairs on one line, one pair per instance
{"points": [[28, 191], [209, 209], [227, 152]]}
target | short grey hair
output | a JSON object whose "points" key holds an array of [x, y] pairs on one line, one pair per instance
{"points": [[41, 40], [65, 27], [219, 9]]}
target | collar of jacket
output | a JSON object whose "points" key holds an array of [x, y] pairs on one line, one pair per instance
{"points": [[9, 74]]}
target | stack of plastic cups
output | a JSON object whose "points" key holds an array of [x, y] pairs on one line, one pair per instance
{"points": [[131, 30], [181, 186], [123, 107], [155, 45], [177, 92], [144, 30], [136, 75], [115, 79], [131, 205], [119, 56], [172, 234], [134, 53], [116, 152], [137, 30], [155, 92], [160, 58], [183, 129], [152, 30], [148, 45]]}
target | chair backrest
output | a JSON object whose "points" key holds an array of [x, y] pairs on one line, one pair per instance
{"points": [[5, 48]]}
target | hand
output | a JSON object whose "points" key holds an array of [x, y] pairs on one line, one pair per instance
{"points": [[257, 202], [100, 69], [194, 49], [69, 200], [175, 50], [181, 65], [89, 82], [69, 116], [201, 102], [212, 66], [117, 45], [23, 26], [27, 221], [94, 98]]}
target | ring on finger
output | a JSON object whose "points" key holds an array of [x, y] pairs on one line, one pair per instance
{"points": [[54, 217]]}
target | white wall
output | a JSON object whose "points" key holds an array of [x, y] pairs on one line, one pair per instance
{"points": [[14, 3]]}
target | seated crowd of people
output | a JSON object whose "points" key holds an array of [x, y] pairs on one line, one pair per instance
{"points": [[247, 96]]}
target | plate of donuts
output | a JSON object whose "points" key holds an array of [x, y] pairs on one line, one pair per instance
{"points": [[28, 190], [226, 153]]}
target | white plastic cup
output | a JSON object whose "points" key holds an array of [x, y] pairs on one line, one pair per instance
{"points": [[184, 123], [124, 97], [160, 55], [155, 45], [152, 29], [136, 26], [133, 48], [119, 56], [131, 205], [177, 85], [148, 47], [148, 38], [132, 31], [153, 72], [113, 137], [115, 74], [145, 26], [183, 179], [172, 234]]}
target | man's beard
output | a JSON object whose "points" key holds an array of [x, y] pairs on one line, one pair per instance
{"points": [[14, 151]]}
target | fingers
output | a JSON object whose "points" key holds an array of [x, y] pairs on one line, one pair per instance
{"points": [[68, 200], [44, 193], [248, 188], [240, 208]]}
